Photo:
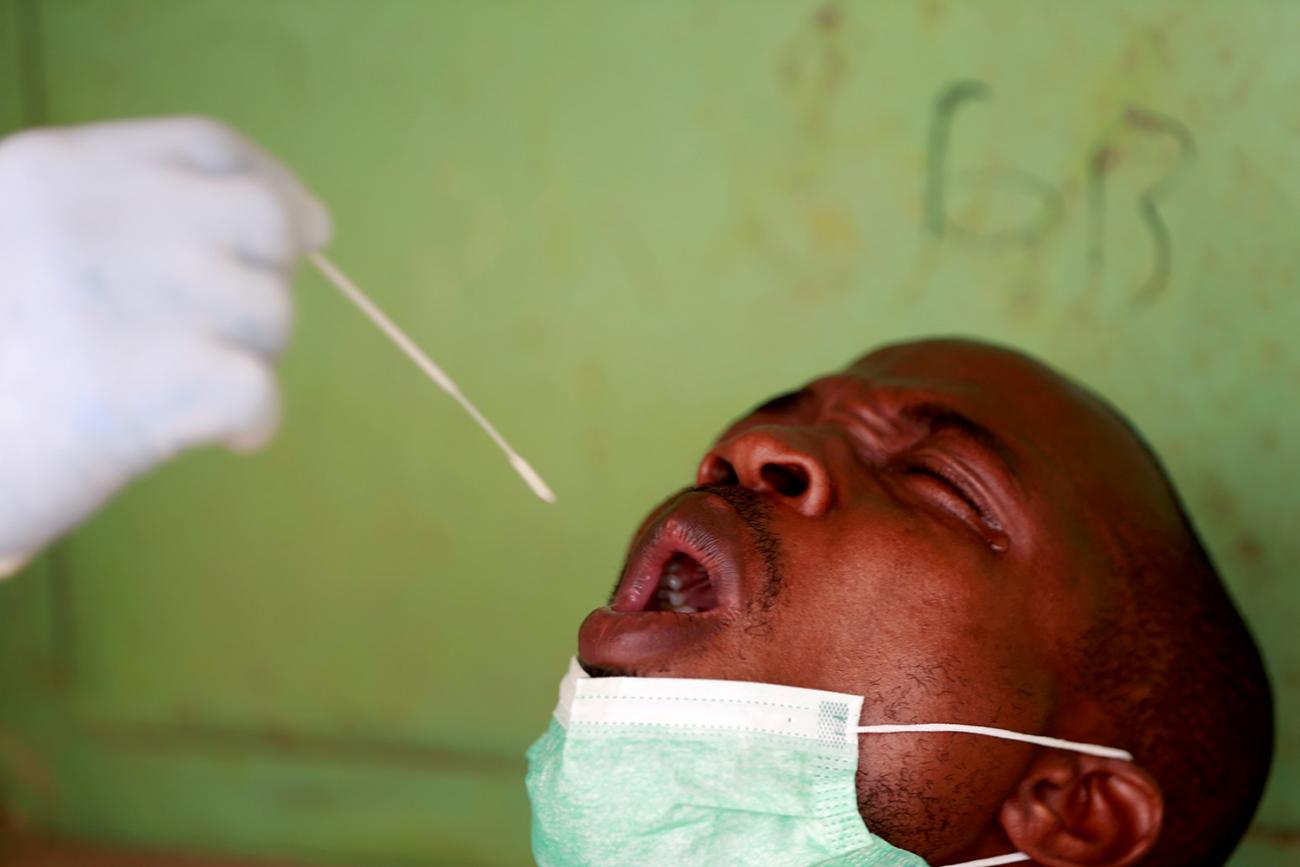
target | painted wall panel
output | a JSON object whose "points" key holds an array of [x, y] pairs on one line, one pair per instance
{"points": [[619, 225]]}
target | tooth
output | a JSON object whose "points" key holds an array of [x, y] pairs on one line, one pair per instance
{"points": [[685, 609], [676, 599], [675, 582], [673, 567]]}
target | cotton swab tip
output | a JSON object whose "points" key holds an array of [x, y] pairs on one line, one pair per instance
{"points": [[530, 477]]}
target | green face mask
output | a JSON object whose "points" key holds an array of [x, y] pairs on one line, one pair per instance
{"points": [[676, 771]]}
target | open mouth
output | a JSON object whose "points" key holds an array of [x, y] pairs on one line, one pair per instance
{"points": [[685, 564], [684, 587]]}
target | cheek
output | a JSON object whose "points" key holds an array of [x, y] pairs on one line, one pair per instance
{"points": [[924, 624]]}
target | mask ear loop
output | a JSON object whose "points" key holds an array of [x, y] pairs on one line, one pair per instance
{"points": [[1004, 734]]}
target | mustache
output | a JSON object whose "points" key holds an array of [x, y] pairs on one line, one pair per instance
{"points": [[756, 512], [752, 508]]}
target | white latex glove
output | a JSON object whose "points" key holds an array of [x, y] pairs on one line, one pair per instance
{"points": [[145, 270]]}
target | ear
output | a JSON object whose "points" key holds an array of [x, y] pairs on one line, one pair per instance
{"points": [[1074, 810]]}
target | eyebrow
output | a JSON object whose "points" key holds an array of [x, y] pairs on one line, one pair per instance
{"points": [[937, 417], [940, 417]]}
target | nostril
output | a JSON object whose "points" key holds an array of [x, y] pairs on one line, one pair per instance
{"points": [[788, 480], [720, 472]]}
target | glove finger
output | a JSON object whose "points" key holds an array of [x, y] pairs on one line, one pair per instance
{"points": [[213, 393], [197, 142], [245, 214], [244, 306]]}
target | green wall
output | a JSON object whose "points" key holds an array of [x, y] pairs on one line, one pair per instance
{"points": [[11, 78], [620, 224]]}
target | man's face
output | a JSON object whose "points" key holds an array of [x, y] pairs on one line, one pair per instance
{"points": [[921, 529]]}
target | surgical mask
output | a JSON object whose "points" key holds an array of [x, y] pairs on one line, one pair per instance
{"points": [[681, 771]]}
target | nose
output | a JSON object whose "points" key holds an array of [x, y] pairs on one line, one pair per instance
{"points": [[785, 461]]}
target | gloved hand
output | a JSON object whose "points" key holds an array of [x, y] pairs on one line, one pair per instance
{"points": [[145, 269]]}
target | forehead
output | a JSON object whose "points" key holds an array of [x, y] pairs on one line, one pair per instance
{"points": [[947, 359], [1000, 388]]}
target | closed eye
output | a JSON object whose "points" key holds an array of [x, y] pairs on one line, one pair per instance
{"points": [[952, 494]]}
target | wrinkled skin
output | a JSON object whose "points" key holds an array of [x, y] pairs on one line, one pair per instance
{"points": [[939, 576]]}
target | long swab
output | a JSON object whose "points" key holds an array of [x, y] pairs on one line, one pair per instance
{"points": [[334, 275]]}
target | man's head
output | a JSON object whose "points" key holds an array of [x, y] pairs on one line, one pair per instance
{"points": [[961, 535]]}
